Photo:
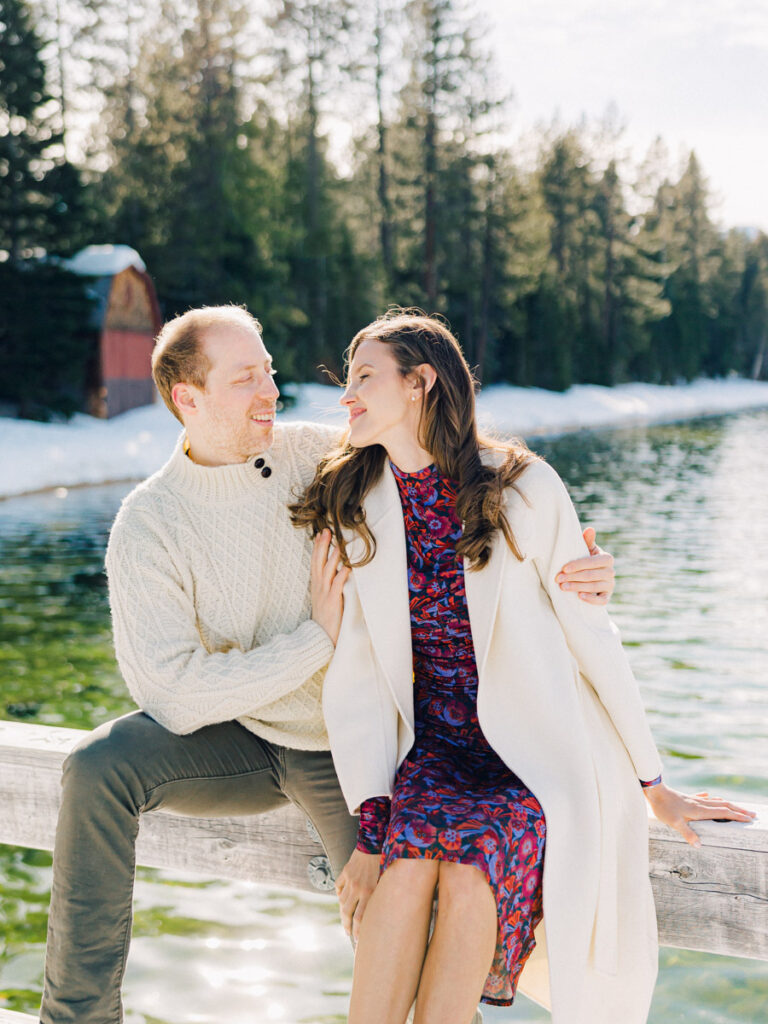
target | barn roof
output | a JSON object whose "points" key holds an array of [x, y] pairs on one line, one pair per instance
{"points": [[102, 263]]}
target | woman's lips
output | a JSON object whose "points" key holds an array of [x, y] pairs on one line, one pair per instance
{"points": [[354, 413]]}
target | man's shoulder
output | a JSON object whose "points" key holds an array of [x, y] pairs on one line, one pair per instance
{"points": [[142, 506], [307, 442], [298, 432]]}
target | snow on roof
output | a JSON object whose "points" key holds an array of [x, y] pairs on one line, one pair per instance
{"points": [[104, 260]]}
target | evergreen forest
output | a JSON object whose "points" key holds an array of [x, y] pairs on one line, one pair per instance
{"points": [[320, 160]]}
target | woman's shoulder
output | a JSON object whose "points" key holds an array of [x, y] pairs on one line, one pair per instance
{"points": [[534, 473], [533, 485]]}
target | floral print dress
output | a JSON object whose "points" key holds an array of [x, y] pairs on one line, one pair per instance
{"points": [[454, 798]]}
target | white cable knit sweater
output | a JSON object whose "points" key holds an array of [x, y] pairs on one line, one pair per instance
{"points": [[209, 590]]}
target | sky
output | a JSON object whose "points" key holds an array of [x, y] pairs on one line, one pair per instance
{"points": [[694, 72]]}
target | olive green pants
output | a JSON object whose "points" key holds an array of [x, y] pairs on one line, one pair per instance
{"points": [[133, 765]]}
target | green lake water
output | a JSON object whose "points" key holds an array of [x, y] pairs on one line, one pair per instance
{"points": [[683, 507]]}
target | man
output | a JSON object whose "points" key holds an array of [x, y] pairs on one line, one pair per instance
{"points": [[222, 639]]}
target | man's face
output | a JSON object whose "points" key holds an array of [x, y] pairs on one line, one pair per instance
{"points": [[235, 415]]}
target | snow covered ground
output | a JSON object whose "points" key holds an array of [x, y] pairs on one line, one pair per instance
{"points": [[38, 456]]}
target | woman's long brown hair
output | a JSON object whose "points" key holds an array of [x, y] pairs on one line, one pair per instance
{"points": [[447, 430]]}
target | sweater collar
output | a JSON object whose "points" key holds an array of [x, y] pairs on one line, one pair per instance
{"points": [[222, 483]]}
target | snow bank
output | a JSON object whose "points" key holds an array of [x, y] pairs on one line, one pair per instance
{"points": [[37, 456], [533, 412]]}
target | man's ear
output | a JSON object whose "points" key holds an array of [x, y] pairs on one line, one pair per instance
{"points": [[183, 396]]}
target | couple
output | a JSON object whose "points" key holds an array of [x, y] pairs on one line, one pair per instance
{"points": [[225, 619]]}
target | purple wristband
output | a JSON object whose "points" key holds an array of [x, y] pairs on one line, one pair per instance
{"points": [[653, 782]]}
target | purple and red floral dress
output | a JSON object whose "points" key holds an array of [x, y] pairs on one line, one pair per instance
{"points": [[454, 798]]}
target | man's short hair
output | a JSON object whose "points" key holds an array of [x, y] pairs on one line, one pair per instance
{"points": [[178, 356]]}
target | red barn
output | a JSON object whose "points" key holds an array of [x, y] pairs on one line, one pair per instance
{"points": [[125, 320]]}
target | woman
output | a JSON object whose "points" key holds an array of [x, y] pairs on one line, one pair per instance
{"points": [[477, 713]]}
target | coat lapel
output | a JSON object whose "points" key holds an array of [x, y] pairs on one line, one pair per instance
{"points": [[483, 589], [382, 586]]}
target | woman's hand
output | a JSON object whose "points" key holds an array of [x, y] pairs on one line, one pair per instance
{"points": [[592, 577], [354, 887], [327, 579], [676, 810]]}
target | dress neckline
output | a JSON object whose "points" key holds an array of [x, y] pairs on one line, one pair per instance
{"points": [[420, 474]]}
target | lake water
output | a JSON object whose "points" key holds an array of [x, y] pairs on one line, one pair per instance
{"points": [[685, 510]]}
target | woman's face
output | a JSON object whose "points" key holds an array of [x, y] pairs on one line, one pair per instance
{"points": [[383, 405]]}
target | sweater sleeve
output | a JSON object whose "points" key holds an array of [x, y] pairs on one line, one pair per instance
{"points": [[554, 538], [168, 671], [374, 818]]}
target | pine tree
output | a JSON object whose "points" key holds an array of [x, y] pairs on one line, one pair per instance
{"points": [[38, 190], [312, 44], [753, 305], [43, 309], [689, 248], [632, 285], [515, 266], [572, 284]]}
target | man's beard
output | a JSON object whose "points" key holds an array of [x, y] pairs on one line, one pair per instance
{"points": [[234, 438]]}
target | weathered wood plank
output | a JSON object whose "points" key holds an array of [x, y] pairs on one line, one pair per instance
{"points": [[278, 846], [713, 899]]}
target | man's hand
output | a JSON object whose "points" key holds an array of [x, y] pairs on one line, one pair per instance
{"points": [[327, 581], [354, 887], [592, 577], [677, 810]]}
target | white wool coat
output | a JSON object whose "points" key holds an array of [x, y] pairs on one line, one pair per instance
{"points": [[558, 703]]}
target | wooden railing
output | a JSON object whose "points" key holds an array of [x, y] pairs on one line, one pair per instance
{"points": [[713, 899]]}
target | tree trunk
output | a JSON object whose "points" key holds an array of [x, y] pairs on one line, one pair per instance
{"points": [[757, 365], [430, 241], [385, 206]]}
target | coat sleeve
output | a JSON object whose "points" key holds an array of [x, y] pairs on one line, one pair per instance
{"points": [[168, 671], [552, 537]]}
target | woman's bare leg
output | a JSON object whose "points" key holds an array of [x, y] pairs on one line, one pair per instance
{"points": [[392, 943], [461, 950]]}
